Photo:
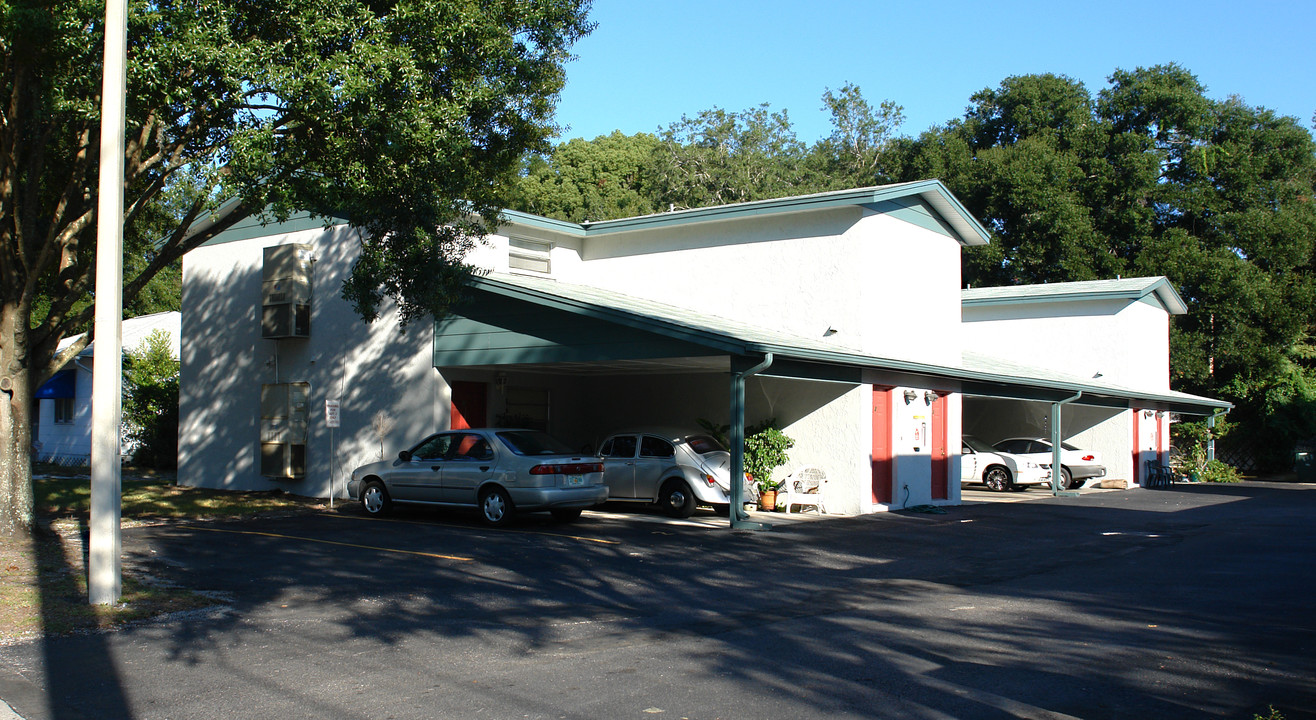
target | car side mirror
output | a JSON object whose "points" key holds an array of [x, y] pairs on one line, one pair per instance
{"points": [[404, 456]]}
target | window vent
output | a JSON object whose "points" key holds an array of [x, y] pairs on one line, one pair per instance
{"points": [[531, 255]]}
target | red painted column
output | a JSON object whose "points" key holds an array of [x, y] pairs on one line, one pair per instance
{"points": [[881, 458]]}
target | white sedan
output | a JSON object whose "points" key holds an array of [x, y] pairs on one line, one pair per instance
{"points": [[1076, 465], [980, 462]]}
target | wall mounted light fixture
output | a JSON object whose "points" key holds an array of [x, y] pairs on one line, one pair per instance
{"points": [[929, 397], [909, 396], [500, 383]]}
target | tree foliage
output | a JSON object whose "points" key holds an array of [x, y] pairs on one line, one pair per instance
{"points": [[150, 401], [409, 117], [716, 157], [1151, 177], [583, 180]]}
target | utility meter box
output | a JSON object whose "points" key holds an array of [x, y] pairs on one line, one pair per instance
{"points": [[285, 292], [284, 421]]}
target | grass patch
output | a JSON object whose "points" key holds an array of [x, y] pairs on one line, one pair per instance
{"points": [[43, 579], [154, 496]]}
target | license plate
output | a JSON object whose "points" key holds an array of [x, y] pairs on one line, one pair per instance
{"points": [[575, 479]]}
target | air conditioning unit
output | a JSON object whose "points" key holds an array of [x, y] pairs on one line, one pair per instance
{"points": [[284, 425], [285, 320], [286, 461], [285, 293]]}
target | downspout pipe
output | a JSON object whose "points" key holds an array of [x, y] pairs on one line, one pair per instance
{"points": [[1056, 472], [739, 518]]}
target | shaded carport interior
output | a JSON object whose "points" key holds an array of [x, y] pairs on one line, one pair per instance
{"points": [[536, 325]]}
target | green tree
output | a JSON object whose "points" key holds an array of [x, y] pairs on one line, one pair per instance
{"points": [[150, 401], [853, 154], [409, 117], [720, 157], [581, 180], [1151, 178]]}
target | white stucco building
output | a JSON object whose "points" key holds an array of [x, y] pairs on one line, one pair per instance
{"points": [[63, 427], [839, 314]]}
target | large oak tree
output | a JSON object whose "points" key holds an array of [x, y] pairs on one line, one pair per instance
{"points": [[1152, 177], [409, 117]]}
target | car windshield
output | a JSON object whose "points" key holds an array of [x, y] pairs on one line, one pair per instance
{"points": [[978, 445], [533, 442], [704, 444]]}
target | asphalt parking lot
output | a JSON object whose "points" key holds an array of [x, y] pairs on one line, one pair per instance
{"points": [[1189, 602]]}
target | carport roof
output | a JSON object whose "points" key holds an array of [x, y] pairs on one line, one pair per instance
{"points": [[804, 357]]}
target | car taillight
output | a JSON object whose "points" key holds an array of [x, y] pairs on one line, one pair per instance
{"points": [[1089, 457], [709, 479], [567, 469]]}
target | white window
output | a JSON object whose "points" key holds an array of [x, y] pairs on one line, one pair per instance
{"points": [[63, 411], [532, 255]]}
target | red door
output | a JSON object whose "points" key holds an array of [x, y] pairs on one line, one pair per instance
{"points": [[1137, 448], [881, 457], [940, 451], [470, 405]]}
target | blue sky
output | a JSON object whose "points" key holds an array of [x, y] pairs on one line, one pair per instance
{"points": [[647, 63]]}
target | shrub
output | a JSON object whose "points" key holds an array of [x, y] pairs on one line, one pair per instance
{"points": [[150, 402], [1218, 472], [765, 451]]}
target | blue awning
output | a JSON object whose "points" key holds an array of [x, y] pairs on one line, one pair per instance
{"points": [[63, 385]]}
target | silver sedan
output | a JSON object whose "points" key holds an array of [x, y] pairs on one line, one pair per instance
{"points": [[498, 471]]}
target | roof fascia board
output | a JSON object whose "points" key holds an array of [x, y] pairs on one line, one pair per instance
{"points": [[252, 227], [1163, 293], [970, 231], [516, 217]]}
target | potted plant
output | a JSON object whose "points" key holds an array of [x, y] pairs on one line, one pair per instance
{"points": [[765, 451]]}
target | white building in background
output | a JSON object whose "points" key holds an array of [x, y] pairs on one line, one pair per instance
{"points": [[838, 313], [62, 430]]}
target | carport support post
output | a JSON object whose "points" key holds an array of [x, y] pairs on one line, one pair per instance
{"points": [[1210, 435], [1056, 474], [739, 519]]}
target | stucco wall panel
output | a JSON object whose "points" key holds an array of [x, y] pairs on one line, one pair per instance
{"points": [[368, 368]]}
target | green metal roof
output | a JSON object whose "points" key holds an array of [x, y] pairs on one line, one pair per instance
{"points": [[977, 374], [1145, 288]]}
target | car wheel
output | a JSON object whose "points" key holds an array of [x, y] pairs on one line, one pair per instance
{"points": [[676, 499], [566, 515], [1066, 479], [997, 478], [375, 499], [496, 507]]}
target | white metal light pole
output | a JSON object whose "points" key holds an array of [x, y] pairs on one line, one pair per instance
{"points": [[104, 574]]}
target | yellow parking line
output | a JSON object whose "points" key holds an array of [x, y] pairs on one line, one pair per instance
{"points": [[335, 542], [518, 532]]}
